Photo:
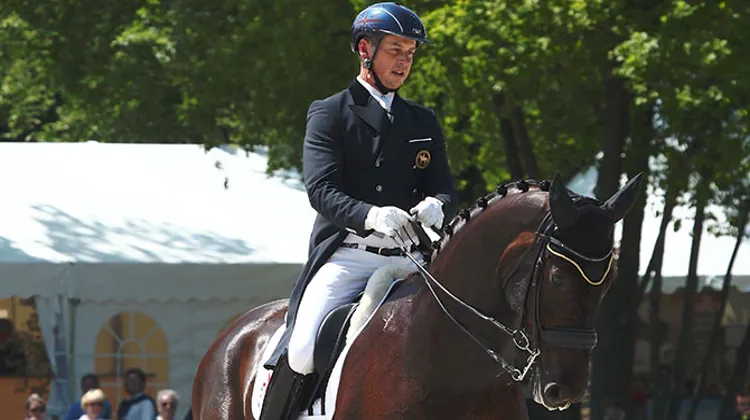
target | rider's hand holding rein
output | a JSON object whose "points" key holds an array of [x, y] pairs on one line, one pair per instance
{"points": [[387, 220], [429, 212]]}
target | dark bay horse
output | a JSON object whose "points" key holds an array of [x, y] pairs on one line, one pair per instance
{"points": [[509, 299]]}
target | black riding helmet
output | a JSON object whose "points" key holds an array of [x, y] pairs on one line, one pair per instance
{"points": [[380, 19]]}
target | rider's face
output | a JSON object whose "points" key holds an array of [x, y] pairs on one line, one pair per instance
{"points": [[393, 59]]}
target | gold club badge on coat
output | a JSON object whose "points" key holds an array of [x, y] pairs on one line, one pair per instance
{"points": [[423, 159]]}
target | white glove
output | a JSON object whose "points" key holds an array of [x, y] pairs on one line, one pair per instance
{"points": [[429, 212], [387, 220]]}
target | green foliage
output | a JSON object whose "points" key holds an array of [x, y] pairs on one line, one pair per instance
{"points": [[192, 71], [245, 71], [532, 55], [25, 93]]}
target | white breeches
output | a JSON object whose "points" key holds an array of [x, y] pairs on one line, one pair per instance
{"points": [[337, 282]]}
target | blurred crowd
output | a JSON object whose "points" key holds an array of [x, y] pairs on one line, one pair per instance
{"points": [[94, 404]]}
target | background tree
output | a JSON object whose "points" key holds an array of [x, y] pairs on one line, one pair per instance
{"points": [[522, 89]]}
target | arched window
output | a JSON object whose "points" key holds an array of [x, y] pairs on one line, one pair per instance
{"points": [[131, 340]]}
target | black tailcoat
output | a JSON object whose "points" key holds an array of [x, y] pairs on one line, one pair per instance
{"points": [[354, 158]]}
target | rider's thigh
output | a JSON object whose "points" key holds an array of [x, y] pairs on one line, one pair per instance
{"points": [[337, 283]]}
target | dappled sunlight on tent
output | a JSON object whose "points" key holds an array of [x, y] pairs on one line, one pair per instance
{"points": [[161, 236]]}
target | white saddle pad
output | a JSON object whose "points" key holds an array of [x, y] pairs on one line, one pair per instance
{"points": [[321, 409]]}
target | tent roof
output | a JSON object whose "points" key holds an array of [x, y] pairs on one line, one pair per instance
{"points": [[148, 221], [714, 251], [156, 203]]}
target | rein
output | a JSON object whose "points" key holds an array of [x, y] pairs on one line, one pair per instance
{"points": [[520, 339], [564, 337]]}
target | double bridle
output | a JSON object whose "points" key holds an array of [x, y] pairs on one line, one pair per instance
{"points": [[576, 338]]}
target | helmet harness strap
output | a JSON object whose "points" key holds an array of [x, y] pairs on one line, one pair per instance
{"points": [[368, 65]]}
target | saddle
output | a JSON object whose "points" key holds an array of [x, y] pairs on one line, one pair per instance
{"points": [[331, 337], [331, 340], [328, 346]]}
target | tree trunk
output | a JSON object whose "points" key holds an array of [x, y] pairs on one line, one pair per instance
{"points": [[471, 176], [524, 142], [716, 328], [616, 126], [737, 379], [676, 169], [476, 185], [658, 379], [628, 263], [684, 352], [609, 376], [670, 201], [512, 154]]}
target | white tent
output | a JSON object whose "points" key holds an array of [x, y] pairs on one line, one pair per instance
{"points": [[184, 237]]}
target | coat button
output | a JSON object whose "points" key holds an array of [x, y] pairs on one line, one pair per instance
{"points": [[378, 188], [414, 191], [377, 163]]}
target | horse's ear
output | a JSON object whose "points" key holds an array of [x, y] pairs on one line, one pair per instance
{"points": [[622, 201], [564, 210]]}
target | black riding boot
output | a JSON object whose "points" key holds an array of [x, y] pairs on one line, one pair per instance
{"points": [[284, 395]]}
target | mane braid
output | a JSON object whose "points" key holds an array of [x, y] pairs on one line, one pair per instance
{"points": [[464, 216]]}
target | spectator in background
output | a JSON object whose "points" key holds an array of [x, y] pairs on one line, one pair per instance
{"points": [[613, 410], [89, 381], [743, 407], [639, 397], [12, 355], [36, 409], [93, 403], [138, 405], [167, 404]]}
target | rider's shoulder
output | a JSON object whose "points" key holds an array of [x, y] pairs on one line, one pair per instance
{"points": [[337, 100], [419, 109]]}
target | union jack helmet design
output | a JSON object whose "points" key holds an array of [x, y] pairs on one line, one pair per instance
{"points": [[387, 18]]}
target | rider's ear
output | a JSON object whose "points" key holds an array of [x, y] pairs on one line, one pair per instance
{"points": [[564, 210], [364, 54], [622, 201]]}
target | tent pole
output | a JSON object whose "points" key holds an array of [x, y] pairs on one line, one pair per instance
{"points": [[72, 304]]}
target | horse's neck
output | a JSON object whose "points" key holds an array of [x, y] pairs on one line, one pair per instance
{"points": [[470, 270], [474, 265]]}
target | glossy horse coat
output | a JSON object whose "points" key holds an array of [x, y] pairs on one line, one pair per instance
{"points": [[537, 262]]}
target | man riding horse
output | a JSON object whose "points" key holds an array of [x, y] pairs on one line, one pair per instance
{"points": [[373, 162]]}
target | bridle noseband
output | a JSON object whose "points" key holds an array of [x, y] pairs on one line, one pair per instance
{"points": [[575, 338]]}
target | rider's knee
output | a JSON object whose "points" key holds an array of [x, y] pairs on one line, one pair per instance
{"points": [[300, 352], [300, 361]]}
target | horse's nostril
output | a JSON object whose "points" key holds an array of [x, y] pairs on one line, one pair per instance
{"points": [[552, 391]]}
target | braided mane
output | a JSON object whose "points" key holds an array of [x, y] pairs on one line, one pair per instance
{"points": [[464, 216]]}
